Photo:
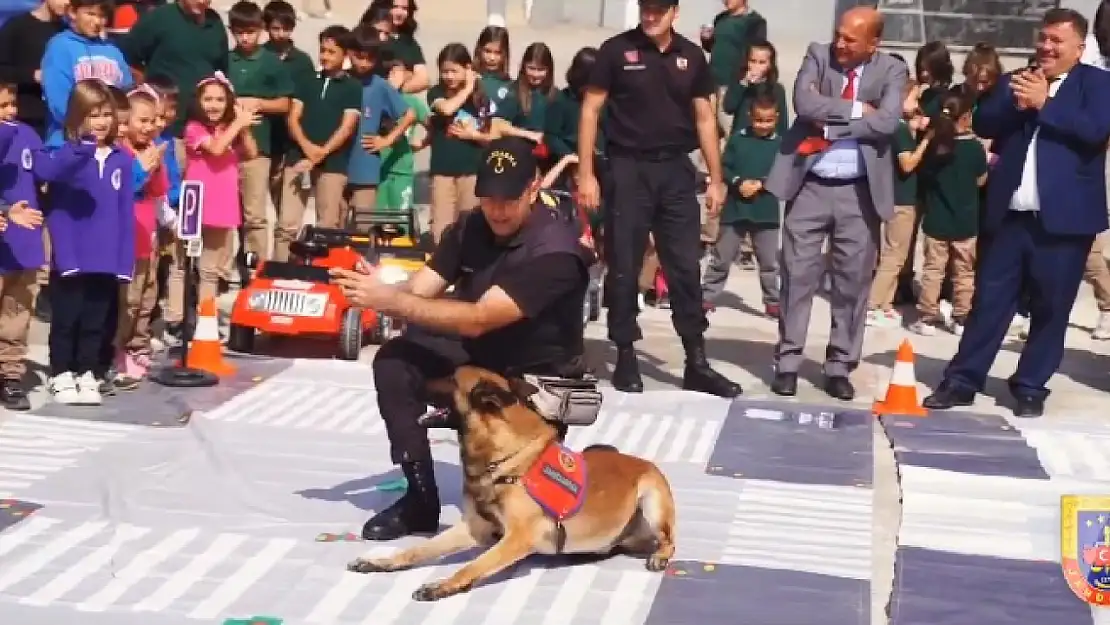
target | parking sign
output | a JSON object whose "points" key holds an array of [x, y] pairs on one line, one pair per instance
{"points": [[189, 210]]}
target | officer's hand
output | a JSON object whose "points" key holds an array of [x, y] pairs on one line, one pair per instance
{"points": [[363, 290], [714, 198], [589, 193]]}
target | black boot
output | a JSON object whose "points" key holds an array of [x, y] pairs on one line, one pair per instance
{"points": [[700, 376], [416, 512], [626, 374]]}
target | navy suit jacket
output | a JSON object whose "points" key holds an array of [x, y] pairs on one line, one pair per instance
{"points": [[1071, 152]]}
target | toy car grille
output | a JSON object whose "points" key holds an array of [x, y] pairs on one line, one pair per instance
{"points": [[286, 302]]}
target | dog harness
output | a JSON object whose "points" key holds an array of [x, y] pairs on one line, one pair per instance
{"points": [[557, 482]]}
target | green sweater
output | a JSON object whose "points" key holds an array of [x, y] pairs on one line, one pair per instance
{"points": [[738, 101], [732, 34], [749, 157]]}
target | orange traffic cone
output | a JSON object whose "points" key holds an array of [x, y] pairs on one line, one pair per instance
{"points": [[901, 394], [205, 351]]}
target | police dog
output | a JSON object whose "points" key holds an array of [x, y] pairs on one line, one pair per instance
{"points": [[627, 507]]}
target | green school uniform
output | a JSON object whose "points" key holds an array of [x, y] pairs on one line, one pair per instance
{"points": [[326, 100], [496, 88], [512, 109], [738, 103], [905, 184], [929, 102], [560, 132], [260, 74], [450, 156], [732, 34], [302, 71], [951, 191], [749, 157], [399, 163], [405, 48], [167, 42]]}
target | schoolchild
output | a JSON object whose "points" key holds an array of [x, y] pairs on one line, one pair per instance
{"points": [[322, 123], [525, 108], [91, 222], [171, 270], [21, 248], [560, 133], [749, 208], [217, 137], [491, 60], [261, 81], [458, 128], [727, 41], [385, 118], [934, 72], [760, 69], [137, 300], [954, 170], [395, 193], [78, 53]]}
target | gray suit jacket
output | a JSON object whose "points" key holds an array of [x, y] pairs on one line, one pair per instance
{"points": [[817, 98]]}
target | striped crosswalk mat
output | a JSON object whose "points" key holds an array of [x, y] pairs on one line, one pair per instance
{"points": [[34, 448]]}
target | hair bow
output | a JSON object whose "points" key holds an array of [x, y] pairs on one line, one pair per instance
{"points": [[147, 89], [217, 77]]}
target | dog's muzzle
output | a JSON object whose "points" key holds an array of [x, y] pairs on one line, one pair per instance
{"points": [[569, 401]]}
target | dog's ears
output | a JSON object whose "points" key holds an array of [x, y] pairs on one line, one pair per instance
{"points": [[522, 388], [487, 396]]}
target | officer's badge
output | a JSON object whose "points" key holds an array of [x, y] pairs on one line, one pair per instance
{"points": [[26, 159], [682, 63], [632, 56], [1085, 546], [117, 179], [500, 160]]}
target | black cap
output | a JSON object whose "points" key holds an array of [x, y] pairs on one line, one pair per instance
{"points": [[508, 166]]}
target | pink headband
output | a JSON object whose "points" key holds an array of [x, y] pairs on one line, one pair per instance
{"points": [[217, 77], [145, 89]]}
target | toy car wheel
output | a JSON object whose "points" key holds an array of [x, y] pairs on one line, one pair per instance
{"points": [[240, 339], [350, 334]]}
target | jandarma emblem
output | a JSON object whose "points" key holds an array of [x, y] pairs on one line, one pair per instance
{"points": [[1085, 546]]}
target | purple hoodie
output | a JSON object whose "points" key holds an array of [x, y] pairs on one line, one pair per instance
{"points": [[20, 248], [91, 214]]}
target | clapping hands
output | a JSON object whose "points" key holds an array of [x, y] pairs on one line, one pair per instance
{"points": [[1030, 89]]}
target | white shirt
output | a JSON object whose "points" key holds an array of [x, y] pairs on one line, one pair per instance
{"points": [[842, 160], [1092, 55], [1027, 197]]}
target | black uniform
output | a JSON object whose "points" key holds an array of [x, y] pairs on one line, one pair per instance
{"points": [[543, 269], [650, 132]]}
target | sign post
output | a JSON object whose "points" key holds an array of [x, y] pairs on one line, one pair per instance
{"points": [[189, 224]]}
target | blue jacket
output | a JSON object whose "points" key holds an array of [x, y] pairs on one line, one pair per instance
{"points": [[173, 172], [20, 248], [1071, 152], [91, 214], [70, 57]]}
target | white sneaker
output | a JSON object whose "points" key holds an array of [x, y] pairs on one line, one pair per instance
{"points": [[1102, 328], [64, 389], [884, 318], [955, 327], [88, 390], [923, 328]]}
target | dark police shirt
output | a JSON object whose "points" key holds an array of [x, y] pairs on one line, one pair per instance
{"points": [[541, 268], [651, 93]]}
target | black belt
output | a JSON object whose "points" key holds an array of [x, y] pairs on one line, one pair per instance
{"points": [[656, 155], [834, 182]]}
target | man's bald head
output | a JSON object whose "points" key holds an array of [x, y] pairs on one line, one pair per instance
{"points": [[857, 36]]}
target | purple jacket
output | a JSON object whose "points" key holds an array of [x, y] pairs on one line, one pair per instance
{"points": [[20, 248], [90, 214]]}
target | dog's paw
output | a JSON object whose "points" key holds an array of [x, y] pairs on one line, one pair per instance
{"points": [[433, 591], [371, 565], [657, 562]]}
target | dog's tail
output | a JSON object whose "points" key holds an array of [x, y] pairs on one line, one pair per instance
{"points": [[656, 502]]}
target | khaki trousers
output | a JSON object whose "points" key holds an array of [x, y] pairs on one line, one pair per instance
{"points": [[254, 193], [897, 246], [331, 208], [1097, 273], [136, 305], [214, 256], [452, 196], [362, 199], [17, 298], [938, 254]]}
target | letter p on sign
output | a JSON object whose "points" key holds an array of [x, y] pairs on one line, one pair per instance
{"points": [[190, 209]]}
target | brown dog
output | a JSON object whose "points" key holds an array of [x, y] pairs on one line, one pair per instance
{"points": [[512, 461]]}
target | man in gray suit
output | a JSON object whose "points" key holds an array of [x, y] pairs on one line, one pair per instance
{"points": [[835, 173]]}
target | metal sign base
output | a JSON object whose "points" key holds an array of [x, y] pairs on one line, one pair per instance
{"points": [[184, 377]]}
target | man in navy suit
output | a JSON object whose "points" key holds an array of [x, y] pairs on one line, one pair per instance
{"points": [[1046, 201]]}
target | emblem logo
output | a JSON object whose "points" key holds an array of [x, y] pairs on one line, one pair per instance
{"points": [[567, 461], [1085, 546], [500, 160], [366, 112], [117, 179], [26, 159], [632, 56], [682, 63], [502, 92]]}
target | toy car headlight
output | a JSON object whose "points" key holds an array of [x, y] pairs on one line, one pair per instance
{"points": [[314, 305], [390, 274], [257, 301]]}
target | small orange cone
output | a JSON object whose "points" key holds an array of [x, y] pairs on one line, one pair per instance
{"points": [[205, 351], [901, 394]]}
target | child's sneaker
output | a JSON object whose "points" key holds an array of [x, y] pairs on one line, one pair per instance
{"points": [[747, 261], [924, 327], [132, 372], [63, 387], [88, 390], [13, 396], [106, 385], [878, 318], [955, 325], [1102, 328]]}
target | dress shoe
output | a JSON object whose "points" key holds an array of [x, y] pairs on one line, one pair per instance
{"points": [[785, 384], [1028, 407], [626, 374], [699, 375], [840, 387], [949, 396], [416, 512]]}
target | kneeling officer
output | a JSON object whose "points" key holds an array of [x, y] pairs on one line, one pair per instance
{"points": [[519, 277]]}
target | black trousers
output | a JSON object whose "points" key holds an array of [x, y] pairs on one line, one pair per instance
{"points": [[111, 325], [82, 306], [658, 197]]}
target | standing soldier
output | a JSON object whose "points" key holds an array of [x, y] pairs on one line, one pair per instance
{"points": [[658, 89]]}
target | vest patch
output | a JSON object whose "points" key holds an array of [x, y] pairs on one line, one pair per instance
{"points": [[557, 481], [117, 179], [26, 159]]}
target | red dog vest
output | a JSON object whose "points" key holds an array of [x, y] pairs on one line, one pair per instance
{"points": [[557, 481]]}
